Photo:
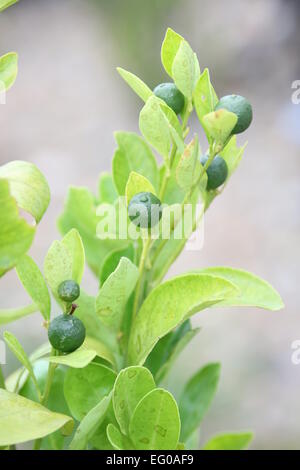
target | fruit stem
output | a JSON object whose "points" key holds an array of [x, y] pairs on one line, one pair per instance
{"points": [[146, 247], [73, 308]]}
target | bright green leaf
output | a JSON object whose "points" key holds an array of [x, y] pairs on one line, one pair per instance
{"points": [[131, 385], [137, 85], [77, 359], [34, 283], [115, 292], [28, 186], [100, 349], [106, 188], [252, 290], [137, 184], [73, 243], [85, 388], [133, 154], [204, 97], [23, 420], [196, 398], [155, 424], [8, 67], [169, 49], [232, 155], [170, 304], [117, 439], [189, 166], [6, 3], [219, 125], [185, 70], [234, 441], [112, 260], [8, 315]]}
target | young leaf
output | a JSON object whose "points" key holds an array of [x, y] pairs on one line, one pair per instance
{"points": [[23, 420], [169, 49], [155, 127], [137, 184], [117, 439], [34, 283], [133, 154], [137, 85], [252, 290], [16, 235], [204, 97], [112, 260], [8, 315], [219, 125], [73, 243], [185, 70], [85, 388], [189, 166], [8, 67], [234, 441], [131, 385], [106, 188], [19, 352], [196, 398], [77, 359], [170, 304], [90, 424], [155, 423], [28, 186], [115, 292], [6, 3], [232, 155]]}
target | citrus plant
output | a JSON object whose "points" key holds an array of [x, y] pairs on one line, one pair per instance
{"points": [[98, 383]]}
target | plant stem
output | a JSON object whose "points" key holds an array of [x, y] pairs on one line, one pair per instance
{"points": [[167, 173], [146, 247], [2, 381]]}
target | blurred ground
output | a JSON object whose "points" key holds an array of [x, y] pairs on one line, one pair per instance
{"points": [[62, 112]]}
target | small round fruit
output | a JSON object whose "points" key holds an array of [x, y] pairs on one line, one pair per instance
{"points": [[66, 333], [144, 210], [216, 172], [239, 106], [169, 93], [68, 291]]}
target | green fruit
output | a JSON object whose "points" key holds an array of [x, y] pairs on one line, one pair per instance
{"points": [[239, 106], [66, 333], [217, 172], [144, 210], [68, 291], [169, 93]]}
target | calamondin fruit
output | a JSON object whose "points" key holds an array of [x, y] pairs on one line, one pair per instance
{"points": [[134, 324], [170, 94]]}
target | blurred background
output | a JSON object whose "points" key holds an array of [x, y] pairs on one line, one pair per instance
{"points": [[62, 112]]}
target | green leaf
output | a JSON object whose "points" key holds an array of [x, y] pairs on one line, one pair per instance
{"points": [[115, 292], [80, 213], [16, 235], [196, 398], [169, 49], [189, 166], [90, 424], [23, 420], [219, 125], [137, 85], [133, 154], [100, 440], [6, 3], [155, 423], [252, 290], [77, 359], [137, 184], [204, 96], [117, 439], [34, 283], [112, 260], [73, 244], [8, 315], [100, 349], [106, 188], [8, 67], [19, 352], [232, 155], [234, 441], [155, 127], [85, 388], [131, 385], [28, 186], [185, 70], [170, 304], [64, 260]]}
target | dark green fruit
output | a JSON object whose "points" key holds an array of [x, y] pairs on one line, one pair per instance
{"points": [[66, 333], [216, 172], [239, 106], [68, 291], [144, 210], [169, 93]]}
